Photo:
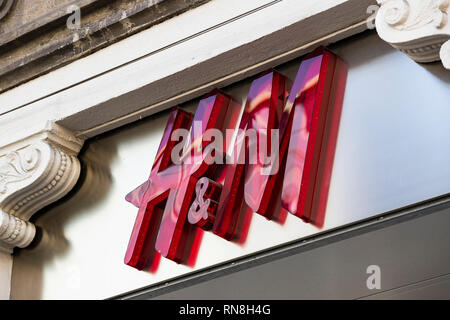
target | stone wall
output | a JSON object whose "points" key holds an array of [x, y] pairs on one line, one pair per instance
{"points": [[37, 36]]}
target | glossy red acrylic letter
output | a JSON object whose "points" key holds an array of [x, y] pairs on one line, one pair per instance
{"points": [[171, 188], [319, 89]]}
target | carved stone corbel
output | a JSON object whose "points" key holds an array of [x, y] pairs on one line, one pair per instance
{"points": [[418, 28], [34, 172]]}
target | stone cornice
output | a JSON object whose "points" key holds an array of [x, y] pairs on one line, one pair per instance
{"points": [[32, 46], [418, 28], [34, 172]]}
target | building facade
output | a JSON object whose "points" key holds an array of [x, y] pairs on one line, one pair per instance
{"points": [[86, 91]]}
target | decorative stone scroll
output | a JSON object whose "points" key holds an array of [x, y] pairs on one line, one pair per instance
{"points": [[418, 28], [34, 172]]}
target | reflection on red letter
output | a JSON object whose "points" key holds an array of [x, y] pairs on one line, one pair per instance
{"points": [[265, 106], [319, 90]]}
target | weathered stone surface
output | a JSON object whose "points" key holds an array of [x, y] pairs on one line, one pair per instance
{"points": [[35, 39], [5, 7], [27, 14]]}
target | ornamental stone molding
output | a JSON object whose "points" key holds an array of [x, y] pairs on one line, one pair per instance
{"points": [[445, 54], [418, 28], [34, 172]]}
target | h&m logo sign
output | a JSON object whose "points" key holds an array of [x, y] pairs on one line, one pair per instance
{"points": [[213, 165]]}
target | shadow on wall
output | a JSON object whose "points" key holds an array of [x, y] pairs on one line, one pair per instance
{"points": [[50, 243]]}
